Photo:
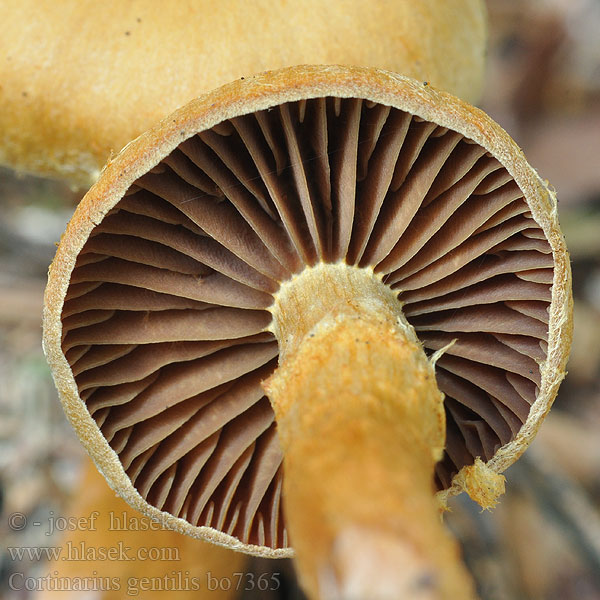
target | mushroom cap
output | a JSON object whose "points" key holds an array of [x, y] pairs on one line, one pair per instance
{"points": [[156, 319], [81, 80]]}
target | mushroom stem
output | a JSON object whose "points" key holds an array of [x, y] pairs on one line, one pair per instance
{"points": [[362, 424]]}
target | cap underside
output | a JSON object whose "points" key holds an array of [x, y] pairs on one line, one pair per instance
{"points": [[165, 321]]}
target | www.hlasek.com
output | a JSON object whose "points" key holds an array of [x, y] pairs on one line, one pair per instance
{"points": [[81, 551], [176, 581]]}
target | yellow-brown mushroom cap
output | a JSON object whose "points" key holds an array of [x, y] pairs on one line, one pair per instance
{"points": [[198, 221], [81, 79]]}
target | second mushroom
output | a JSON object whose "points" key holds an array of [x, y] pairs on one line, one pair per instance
{"points": [[303, 305]]}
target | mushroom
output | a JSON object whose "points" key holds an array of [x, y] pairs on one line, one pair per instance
{"points": [[81, 80], [305, 308], [109, 547]]}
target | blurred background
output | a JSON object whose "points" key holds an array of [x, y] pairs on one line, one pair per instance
{"points": [[543, 540]]}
